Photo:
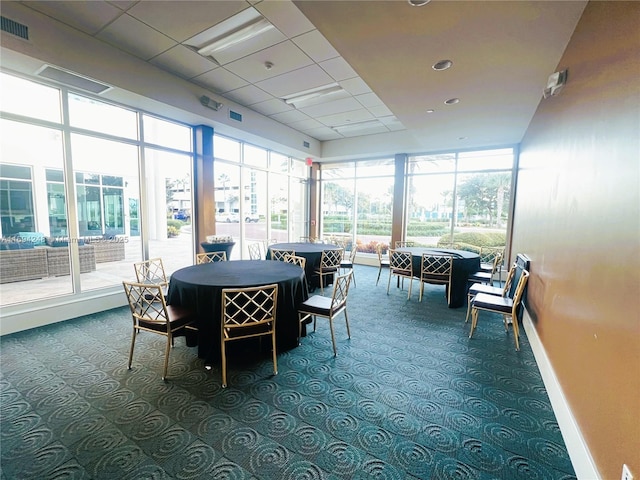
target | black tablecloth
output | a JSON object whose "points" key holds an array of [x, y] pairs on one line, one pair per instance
{"points": [[200, 287], [312, 252], [464, 263]]}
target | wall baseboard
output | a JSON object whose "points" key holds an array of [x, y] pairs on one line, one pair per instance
{"points": [[577, 448]]}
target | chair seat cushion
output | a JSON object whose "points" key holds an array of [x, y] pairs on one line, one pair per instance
{"points": [[179, 316], [493, 302], [477, 288], [316, 305], [346, 264], [400, 271], [326, 270], [480, 277]]}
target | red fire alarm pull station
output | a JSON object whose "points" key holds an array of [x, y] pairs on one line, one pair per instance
{"points": [[309, 161]]}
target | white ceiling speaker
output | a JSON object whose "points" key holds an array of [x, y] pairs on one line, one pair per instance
{"points": [[555, 83]]}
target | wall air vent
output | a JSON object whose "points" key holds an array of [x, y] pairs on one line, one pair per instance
{"points": [[73, 79], [14, 28], [235, 116]]}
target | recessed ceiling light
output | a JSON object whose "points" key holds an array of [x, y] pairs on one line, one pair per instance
{"points": [[442, 65], [452, 101], [431, 110], [418, 3], [462, 138]]}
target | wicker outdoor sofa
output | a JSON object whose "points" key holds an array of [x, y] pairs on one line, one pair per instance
{"points": [[22, 259]]}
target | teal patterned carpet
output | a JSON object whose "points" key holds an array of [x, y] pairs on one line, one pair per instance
{"points": [[410, 396]]}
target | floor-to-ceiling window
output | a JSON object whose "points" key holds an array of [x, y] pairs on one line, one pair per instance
{"points": [[460, 198], [357, 201], [260, 195], [93, 158]]}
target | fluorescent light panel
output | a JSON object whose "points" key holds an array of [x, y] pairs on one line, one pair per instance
{"points": [[250, 30], [316, 95], [356, 127]]}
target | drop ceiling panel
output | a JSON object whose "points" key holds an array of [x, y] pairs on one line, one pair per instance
{"points": [[89, 17], [308, 124], [369, 100], [271, 107], [297, 81], [355, 86], [329, 108], [247, 47], [182, 20], [248, 95], [285, 16], [338, 68], [322, 134], [285, 57], [289, 117], [135, 37], [220, 80], [183, 62], [316, 46], [347, 117]]}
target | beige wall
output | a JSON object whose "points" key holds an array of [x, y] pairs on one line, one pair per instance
{"points": [[577, 216]]}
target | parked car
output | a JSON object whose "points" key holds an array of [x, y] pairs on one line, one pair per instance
{"points": [[228, 217], [182, 215], [251, 217]]}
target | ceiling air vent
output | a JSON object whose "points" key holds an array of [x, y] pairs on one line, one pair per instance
{"points": [[14, 28], [73, 79]]}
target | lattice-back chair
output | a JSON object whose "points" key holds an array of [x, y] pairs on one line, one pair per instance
{"points": [[151, 271], [401, 266], [477, 288], [506, 306], [211, 257], [348, 262], [488, 261], [436, 269], [327, 307], [150, 313], [247, 313], [383, 261], [487, 277], [404, 244], [255, 251], [329, 265], [296, 260], [280, 254]]}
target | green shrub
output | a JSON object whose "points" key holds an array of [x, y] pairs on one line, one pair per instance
{"points": [[469, 240], [177, 224], [172, 231]]}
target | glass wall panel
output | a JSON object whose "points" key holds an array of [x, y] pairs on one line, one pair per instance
{"points": [[429, 207], [29, 99], [168, 187], [255, 206], [227, 196], [27, 204], [279, 205], [106, 174], [255, 156], [90, 114], [167, 134], [357, 203]]}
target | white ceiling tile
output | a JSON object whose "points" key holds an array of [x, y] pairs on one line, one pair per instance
{"points": [[322, 134], [285, 57], [307, 124], [248, 95], [338, 68], [369, 99], [285, 16], [346, 117], [289, 117], [123, 4], [183, 62], [316, 46], [184, 19], [89, 17], [329, 108], [271, 107], [135, 37], [220, 80], [296, 81], [380, 111], [369, 130], [355, 86]]}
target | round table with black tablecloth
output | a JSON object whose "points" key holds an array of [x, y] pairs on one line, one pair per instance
{"points": [[199, 287], [464, 264], [312, 252]]}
